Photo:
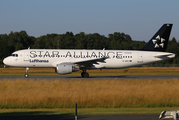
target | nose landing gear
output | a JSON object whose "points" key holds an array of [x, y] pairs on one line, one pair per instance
{"points": [[26, 75]]}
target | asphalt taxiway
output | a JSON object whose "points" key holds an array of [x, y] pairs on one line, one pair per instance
{"points": [[104, 117], [76, 77]]}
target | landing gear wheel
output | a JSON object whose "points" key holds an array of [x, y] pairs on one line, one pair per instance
{"points": [[26, 75], [84, 74]]}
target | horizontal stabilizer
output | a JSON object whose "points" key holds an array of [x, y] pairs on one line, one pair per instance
{"points": [[164, 55]]}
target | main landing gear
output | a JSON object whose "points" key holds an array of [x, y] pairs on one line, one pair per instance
{"points": [[26, 75], [84, 74]]}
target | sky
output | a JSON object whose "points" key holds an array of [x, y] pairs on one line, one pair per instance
{"points": [[140, 19]]}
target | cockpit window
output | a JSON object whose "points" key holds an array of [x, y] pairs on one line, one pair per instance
{"points": [[14, 55]]}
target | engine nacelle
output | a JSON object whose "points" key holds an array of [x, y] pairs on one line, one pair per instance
{"points": [[66, 68]]}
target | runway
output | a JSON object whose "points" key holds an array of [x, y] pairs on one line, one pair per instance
{"points": [[104, 117], [70, 77]]}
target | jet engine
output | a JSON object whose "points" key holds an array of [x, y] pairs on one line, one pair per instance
{"points": [[66, 68]]}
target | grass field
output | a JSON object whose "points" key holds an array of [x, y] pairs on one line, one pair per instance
{"points": [[89, 94], [94, 97]]}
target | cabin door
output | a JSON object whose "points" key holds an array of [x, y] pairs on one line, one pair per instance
{"points": [[140, 58], [26, 56]]}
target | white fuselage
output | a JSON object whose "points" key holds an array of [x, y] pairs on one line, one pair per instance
{"points": [[52, 57]]}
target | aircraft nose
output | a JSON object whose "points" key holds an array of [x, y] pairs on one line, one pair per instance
{"points": [[5, 61]]}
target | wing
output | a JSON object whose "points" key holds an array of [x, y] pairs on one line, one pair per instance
{"points": [[83, 63], [90, 62]]}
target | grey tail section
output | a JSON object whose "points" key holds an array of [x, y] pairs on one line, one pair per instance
{"points": [[160, 40]]}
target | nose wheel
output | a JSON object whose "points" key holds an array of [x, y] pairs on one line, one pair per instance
{"points": [[26, 75]]}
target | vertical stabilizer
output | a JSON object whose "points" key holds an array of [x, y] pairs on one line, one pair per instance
{"points": [[160, 40]]}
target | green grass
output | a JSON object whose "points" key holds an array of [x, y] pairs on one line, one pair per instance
{"points": [[113, 73], [103, 72]]}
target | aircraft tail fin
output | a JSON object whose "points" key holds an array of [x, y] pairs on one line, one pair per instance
{"points": [[160, 40]]}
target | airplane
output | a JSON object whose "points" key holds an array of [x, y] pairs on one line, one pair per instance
{"points": [[66, 61]]}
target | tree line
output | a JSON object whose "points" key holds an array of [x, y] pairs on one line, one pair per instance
{"points": [[117, 41]]}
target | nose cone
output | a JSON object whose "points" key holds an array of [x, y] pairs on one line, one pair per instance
{"points": [[6, 61]]}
